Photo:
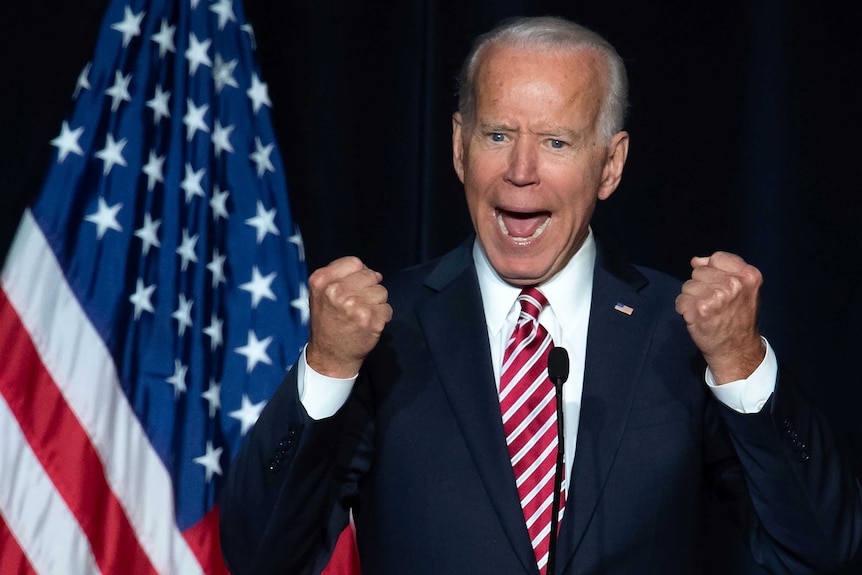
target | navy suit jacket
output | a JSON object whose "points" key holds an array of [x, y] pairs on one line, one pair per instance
{"points": [[418, 452]]}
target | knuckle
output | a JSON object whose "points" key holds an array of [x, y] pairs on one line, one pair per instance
{"points": [[349, 262], [735, 284], [333, 292], [317, 280], [351, 304], [752, 276]]}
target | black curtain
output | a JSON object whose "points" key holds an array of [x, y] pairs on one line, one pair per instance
{"points": [[743, 122]]}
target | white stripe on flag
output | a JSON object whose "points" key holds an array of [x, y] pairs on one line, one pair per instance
{"points": [[32, 279], [34, 511]]}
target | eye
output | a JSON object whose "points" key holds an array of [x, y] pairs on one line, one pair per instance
{"points": [[498, 137], [557, 144]]}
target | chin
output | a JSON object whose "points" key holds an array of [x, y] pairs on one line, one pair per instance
{"points": [[521, 273]]}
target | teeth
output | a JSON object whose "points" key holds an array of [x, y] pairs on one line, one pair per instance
{"points": [[521, 240]]}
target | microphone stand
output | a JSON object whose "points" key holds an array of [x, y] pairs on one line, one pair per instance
{"points": [[558, 370]]}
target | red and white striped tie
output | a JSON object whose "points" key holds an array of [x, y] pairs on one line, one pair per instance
{"points": [[527, 402]]}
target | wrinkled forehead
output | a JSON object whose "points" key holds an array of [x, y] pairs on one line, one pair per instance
{"points": [[541, 76]]}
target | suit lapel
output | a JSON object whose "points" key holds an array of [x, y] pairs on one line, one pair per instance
{"points": [[454, 324], [616, 348]]}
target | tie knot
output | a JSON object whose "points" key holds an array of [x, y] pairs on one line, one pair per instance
{"points": [[532, 302]]}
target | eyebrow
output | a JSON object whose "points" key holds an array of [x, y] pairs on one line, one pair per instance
{"points": [[485, 127], [560, 133], [552, 133]]}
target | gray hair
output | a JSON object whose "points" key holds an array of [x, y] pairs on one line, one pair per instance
{"points": [[555, 33]]}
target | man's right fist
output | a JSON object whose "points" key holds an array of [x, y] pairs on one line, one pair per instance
{"points": [[348, 312]]}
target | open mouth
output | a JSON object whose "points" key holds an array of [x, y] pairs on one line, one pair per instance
{"points": [[522, 227]]}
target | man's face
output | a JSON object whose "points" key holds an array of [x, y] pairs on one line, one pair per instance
{"points": [[531, 160]]}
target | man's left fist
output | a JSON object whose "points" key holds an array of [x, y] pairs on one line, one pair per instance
{"points": [[720, 304]]}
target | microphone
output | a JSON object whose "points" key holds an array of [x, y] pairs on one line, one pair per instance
{"points": [[558, 366], [558, 372]]}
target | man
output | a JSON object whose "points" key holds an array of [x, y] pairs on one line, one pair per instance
{"points": [[408, 406]]}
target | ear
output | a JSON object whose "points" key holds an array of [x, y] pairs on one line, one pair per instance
{"points": [[612, 173], [457, 145]]}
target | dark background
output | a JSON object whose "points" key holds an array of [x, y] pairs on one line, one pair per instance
{"points": [[744, 127]]}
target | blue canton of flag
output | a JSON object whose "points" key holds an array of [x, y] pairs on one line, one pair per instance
{"points": [[163, 285]]}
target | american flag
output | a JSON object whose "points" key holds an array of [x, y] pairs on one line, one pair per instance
{"points": [[621, 307], [153, 298]]}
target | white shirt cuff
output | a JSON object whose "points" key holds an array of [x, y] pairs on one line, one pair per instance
{"points": [[748, 395], [321, 395]]}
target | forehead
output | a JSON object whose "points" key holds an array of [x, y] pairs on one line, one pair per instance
{"points": [[540, 81]]}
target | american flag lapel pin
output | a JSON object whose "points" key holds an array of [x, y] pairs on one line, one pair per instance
{"points": [[623, 308]]}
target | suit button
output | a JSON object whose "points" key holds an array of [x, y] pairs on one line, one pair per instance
{"points": [[804, 456]]}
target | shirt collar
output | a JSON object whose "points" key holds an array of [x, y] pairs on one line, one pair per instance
{"points": [[499, 297]]}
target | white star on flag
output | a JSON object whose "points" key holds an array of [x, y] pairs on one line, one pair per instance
{"points": [[224, 9], [255, 351], [259, 287], [247, 414], [83, 82], [210, 461], [250, 31], [213, 397], [301, 304], [67, 142], [216, 266], [154, 170], [296, 239], [191, 184], [221, 138], [159, 104], [197, 53], [178, 379], [183, 314], [194, 119], [165, 38], [112, 153], [263, 222], [223, 73], [105, 218], [260, 156], [214, 331], [258, 93], [186, 251], [119, 90], [218, 203], [130, 26], [141, 299], [149, 233]]}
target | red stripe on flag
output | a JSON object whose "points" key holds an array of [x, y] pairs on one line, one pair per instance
{"points": [[64, 450], [345, 557], [13, 561], [203, 539]]}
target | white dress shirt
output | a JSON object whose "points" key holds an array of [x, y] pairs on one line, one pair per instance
{"points": [[322, 396]]}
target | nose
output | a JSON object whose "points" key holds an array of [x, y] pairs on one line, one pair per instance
{"points": [[523, 164]]}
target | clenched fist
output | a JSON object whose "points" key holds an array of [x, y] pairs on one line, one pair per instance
{"points": [[720, 304], [348, 312]]}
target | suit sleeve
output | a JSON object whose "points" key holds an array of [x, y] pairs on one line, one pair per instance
{"points": [[288, 491], [796, 496]]}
